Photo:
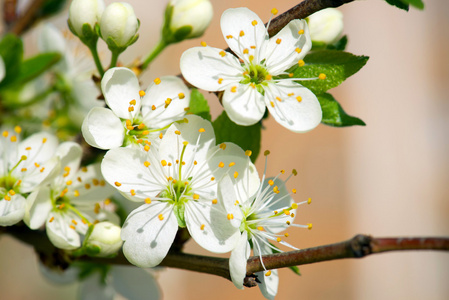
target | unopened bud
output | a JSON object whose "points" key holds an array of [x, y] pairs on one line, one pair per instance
{"points": [[326, 25], [105, 239], [83, 12], [119, 25]]}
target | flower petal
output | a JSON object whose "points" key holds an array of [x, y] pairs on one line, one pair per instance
{"points": [[287, 47], [12, 211], [234, 21], [69, 154], [103, 129], [296, 115], [120, 86], [147, 237], [170, 87], [206, 69], [210, 227], [238, 260], [90, 186], [135, 283], [227, 200], [38, 207], [245, 106], [94, 288], [60, 234]]}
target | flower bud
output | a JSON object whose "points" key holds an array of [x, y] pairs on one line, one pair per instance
{"points": [[119, 25], [104, 240], [326, 25], [84, 12], [192, 17]]}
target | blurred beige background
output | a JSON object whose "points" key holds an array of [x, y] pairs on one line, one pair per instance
{"points": [[389, 178]]}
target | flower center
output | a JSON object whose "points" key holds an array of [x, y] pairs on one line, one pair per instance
{"points": [[254, 74], [9, 186]]}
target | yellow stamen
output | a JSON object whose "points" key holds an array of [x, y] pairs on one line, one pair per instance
{"points": [[157, 81], [181, 96], [322, 76], [141, 93], [203, 43]]}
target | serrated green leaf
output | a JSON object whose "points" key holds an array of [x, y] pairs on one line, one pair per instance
{"points": [[333, 113], [336, 65], [399, 4], [247, 137], [11, 50], [35, 66], [199, 106]]}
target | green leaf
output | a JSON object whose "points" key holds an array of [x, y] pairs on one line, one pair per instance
{"points": [[398, 3], [247, 137], [333, 113], [35, 66], [11, 51], [336, 65], [340, 44], [416, 3], [199, 106]]}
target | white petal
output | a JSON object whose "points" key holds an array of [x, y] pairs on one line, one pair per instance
{"points": [[124, 169], [238, 260], [157, 94], [120, 86], [204, 66], [235, 20], [93, 288], [210, 227], [269, 284], [60, 234], [227, 200], [92, 188], [69, 154], [12, 211], [103, 129], [147, 238], [245, 106], [135, 283], [38, 207], [293, 115], [280, 57]]}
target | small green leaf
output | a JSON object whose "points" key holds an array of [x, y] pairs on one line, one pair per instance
{"points": [[35, 66], [416, 3], [333, 113], [336, 65], [340, 44], [199, 106], [398, 3], [11, 51], [247, 137]]}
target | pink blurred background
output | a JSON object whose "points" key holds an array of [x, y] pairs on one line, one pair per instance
{"points": [[389, 178]]}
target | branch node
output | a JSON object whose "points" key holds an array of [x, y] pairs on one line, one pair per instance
{"points": [[361, 245]]}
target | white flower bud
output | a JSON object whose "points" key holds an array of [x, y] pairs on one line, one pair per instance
{"points": [[195, 13], [105, 236], [85, 12], [119, 23], [326, 25]]}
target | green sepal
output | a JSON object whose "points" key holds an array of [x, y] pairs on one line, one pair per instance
{"points": [[338, 45], [92, 250], [182, 33], [333, 113], [247, 137], [11, 51], [336, 65], [399, 4], [198, 105], [36, 65], [179, 210], [88, 32]]}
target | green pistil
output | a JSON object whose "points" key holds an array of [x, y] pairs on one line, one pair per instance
{"points": [[255, 74], [8, 183]]}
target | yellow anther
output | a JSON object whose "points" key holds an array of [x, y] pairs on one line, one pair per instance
{"points": [[248, 152], [230, 216], [222, 53], [274, 11], [102, 183], [212, 178], [195, 162], [202, 226], [157, 80], [141, 126], [236, 174], [242, 33], [278, 41], [203, 43], [28, 148], [130, 127], [276, 190], [161, 217], [23, 169], [322, 76], [13, 139], [299, 98], [215, 201], [133, 192], [163, 162], [309, 200], [221, 164], [177, 132], [223, 146], [128, 122], [298, 50], [220, 80], [252, 47], [147, 200], [295, 205], [44, 140], [245, 73], [246, 51], [272, 103], [254, 23], [290, 94], [51, 219], [18, 129], [133, 102], [268, 77], [141, 93], [260, 228], [181, 96], [286, 234], [153, 107], [201, 130], [196, 196], [234, 89], [146, 163], [74, 222], [300, 64], [76, 193], [168, 101], [117, 183], [294, 191], [229, 36], [161, 136], [268, 273], [61, 206], [288, 222], [279, 99], [5, 133], [146, 148], [290, 75], [301, 31], [251, 58], [267, 152], [294, 172], [79, 179], [7, 198], [309, 226], [73, 227], [278, 239], [231, 164], [253, 85], [87, 186], [131, 108], [292, 215], [185, 143], [282, 171], [107, 201], [270, 182]]}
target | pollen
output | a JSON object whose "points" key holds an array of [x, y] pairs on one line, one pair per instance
{"points": [[223, 146], [133, 192], [254, 23], [76, 193], [195, 162], [242, 33], [322, 76], [279, 99], [18, 129], [300, 63], [252, 47], [230, 216], [117, 183], [141, 93], [167, 102], [309, 226], [229, 36], [157, 81], [268, 273], [7, 198], [248, 153], [267, 152], [286, 234], [215, 201], [220, 80], [298, 50], [51, 219], [299, 98], [28, 148], [74, 222], [288, 222], [309, 200], [274, 11], [133, 102], [201, 130], [270, 182], [278, 41], [221, 164], [236, 174], [23, 169], [13, 139], [11, 192], [203, 43], [87, 186], [202, 226], [163, 162], [287, 212], [147, 200], [290, 75], [260, 228], [146, 148], [231, 164], [146, 163], [131, 108], [278, 239], [222, 53], [196, 197], [272, 103], [292, 215], [161, 217], [301, 31], [73, 227], [5, 133], [181, 96], [212, 178], [282, 171], [234, 89], [294, 191], [153, 107], [141, 126], [177, 132], [268, 77]]}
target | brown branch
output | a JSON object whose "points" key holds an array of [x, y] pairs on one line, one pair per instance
{"points": [[357, 247], [26, 20]]}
